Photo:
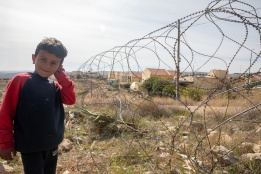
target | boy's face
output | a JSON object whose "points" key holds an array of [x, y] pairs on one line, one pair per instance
{"points": [[46, 64]]}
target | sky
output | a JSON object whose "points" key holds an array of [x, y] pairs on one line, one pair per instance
{"points": [[90, 27]]}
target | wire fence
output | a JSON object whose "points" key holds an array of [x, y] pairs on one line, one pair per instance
{"points": [[159, 133]]}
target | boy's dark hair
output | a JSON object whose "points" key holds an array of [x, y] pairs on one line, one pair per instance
{"points": [[52, 46]]}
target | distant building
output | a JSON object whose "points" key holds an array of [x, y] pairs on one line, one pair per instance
{"points": [[173, 73], [161, 73], [256, 77], [135, 76], [125, 77], [215, 79], [218, 74], [187, 78], [119, 76], [76, 74]]}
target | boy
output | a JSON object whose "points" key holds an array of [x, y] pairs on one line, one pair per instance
{"points": [[32, 113]]}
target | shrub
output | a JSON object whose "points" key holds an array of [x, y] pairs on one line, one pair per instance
{"points": [[159, 84], [194, 93], [127, 86], [148, 83], [170, 89]]}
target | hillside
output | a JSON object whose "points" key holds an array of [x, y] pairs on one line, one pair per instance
{"points": [[118, 131], [11, 74]]}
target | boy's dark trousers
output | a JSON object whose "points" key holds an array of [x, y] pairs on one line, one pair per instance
{"points": [[43, 162]]}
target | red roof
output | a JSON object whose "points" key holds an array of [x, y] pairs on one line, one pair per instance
{"points": [[159, 72]]}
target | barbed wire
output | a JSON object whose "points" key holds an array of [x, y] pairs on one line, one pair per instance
{"points": [[228, 115]]}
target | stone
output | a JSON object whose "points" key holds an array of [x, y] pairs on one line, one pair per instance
{"points": [[257, 148], [78, 139], [66, 145], [246, 147], [258, 131], [5, 169], [66, 172], [172, 128], [223, 155], [251, 156], [148, 172], [219, 137]]}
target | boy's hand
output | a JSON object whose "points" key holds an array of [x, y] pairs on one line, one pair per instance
{"points": [[60, 69], [7, 154]]}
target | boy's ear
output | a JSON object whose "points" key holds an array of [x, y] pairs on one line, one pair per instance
{"points": [[33, 58]]}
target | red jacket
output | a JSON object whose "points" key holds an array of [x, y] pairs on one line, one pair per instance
{"points": [[11, 99]]}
